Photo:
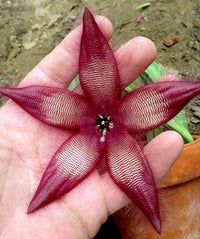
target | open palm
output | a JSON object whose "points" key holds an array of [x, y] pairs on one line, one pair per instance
{"points": [[27, 146]]}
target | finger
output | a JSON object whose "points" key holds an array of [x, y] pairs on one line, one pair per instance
{"points": [[133, 58], [60, 67], [162, 152]]}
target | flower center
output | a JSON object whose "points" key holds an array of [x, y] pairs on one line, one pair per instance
{"points": [[104, 124]]}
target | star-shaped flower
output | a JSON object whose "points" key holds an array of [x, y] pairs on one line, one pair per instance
{"points": [[104, 124]]}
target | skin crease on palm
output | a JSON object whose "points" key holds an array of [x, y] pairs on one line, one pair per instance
{"points": [[27, 145]]}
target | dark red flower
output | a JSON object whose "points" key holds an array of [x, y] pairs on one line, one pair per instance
{"points": [[103, 124]]}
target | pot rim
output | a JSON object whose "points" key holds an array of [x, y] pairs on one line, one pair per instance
{"points": [[186, 167]]}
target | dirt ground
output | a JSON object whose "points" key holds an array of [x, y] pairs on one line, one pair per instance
{"points": [[29, 30]]}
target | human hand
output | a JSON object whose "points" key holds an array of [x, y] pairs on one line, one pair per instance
{"points": [[27, 146]]}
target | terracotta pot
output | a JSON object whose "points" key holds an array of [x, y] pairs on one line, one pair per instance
{"points": [[179, 196]]}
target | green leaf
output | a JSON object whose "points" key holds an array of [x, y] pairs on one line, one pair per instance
{"points": [[74, 83], [179, 128], [182, 119], [154, 71], [143, 5], [135, 84]]}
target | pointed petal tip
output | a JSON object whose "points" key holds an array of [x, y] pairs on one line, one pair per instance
{"points": [[87, 13], [86, 10], [33, 206], [30, 209], [6, 91], [157, 225]]}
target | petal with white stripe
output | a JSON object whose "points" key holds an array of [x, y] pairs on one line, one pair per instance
{"points": [[71, 164], [53, 106], [130, 171]]}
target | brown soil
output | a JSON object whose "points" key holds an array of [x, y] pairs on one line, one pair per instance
{"points": [[29, 30]]}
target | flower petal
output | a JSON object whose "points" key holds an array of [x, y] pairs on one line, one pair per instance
{"points": [[130, 171], [53, 106], [153, 105], [71, 164], [97, 66]]}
